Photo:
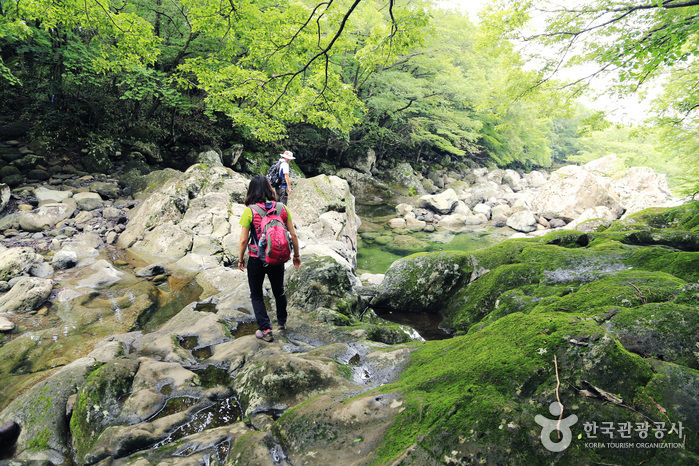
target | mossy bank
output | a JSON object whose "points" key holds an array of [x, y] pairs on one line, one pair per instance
{"points": [[605, 322]]}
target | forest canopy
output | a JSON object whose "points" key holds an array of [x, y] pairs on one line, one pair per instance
{"points": [[634, 47], [405, 78]]}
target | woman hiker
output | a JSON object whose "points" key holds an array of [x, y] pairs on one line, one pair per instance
{"points": [[261, 193]]}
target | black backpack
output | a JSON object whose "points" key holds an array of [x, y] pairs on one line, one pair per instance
{"points": [[273, 175]]}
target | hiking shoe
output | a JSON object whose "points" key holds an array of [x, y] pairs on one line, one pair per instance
{"points": [[282, 326], [265, 335]]}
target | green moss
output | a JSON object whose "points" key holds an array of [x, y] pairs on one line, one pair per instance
{"points": [[684, 265], [345, 371], [466, 391], [672, 396], [98, 403], [512, 301], [684, 217], [566, 239], [640, 219], [213, 376], [664, 331], [506, 252], [689, 295], [588, 263], [472, 398], [478, 299], [542, 272], [389, 334], [629, 288], [40, 441]]}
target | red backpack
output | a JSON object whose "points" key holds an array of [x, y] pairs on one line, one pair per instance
{"points": [[271, 241]]}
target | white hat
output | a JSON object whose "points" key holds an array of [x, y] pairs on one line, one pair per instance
{"points": [[287, 154]]}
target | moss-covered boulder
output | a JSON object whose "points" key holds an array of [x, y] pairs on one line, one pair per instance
{"points": [[323, 282], [626, 289], [99, 403], [423, 282], [281, 382], [665, 331], [42, 415], [682, 264], [673, 390], [475, 398]]}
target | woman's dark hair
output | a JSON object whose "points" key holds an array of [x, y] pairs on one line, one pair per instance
{"points": [[260, 190]]}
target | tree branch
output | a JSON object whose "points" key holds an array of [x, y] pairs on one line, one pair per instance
{"points": [[323, 52]]}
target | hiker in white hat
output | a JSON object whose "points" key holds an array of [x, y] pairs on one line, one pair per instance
{"points": [[284, 190]]}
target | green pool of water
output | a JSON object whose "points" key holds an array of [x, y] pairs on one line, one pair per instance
{"points": [[380, 245]]}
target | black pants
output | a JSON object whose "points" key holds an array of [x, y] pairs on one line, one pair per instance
{"points": [[257, 270], [283, 195]]}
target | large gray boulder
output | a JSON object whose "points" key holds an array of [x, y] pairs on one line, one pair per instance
{"points": [[15, 262], [210, 158], [442, 203], [423, 282], [45, 217], [404, 175], [609, 166], [535, 179], [27, 294], [323, 211], [171, 200], [524, 221], [570, 191], [88, 201], [641, 188], [165, 240], [592, 219]]}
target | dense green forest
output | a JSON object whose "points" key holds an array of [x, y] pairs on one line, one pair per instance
{"points": [[326, 79]]}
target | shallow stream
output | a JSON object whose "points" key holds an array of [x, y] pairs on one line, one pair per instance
{"points": [[379, 245]]}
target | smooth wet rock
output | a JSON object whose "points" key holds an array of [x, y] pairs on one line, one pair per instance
{"points": [[26, 295], [15, 262], [6, 325], [45, 217]]}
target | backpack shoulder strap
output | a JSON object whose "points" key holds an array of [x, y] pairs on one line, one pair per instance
{"points": [[256, 208], [262, 213]]}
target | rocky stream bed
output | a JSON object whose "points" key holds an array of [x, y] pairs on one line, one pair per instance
{"points": [[130, 339]]}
